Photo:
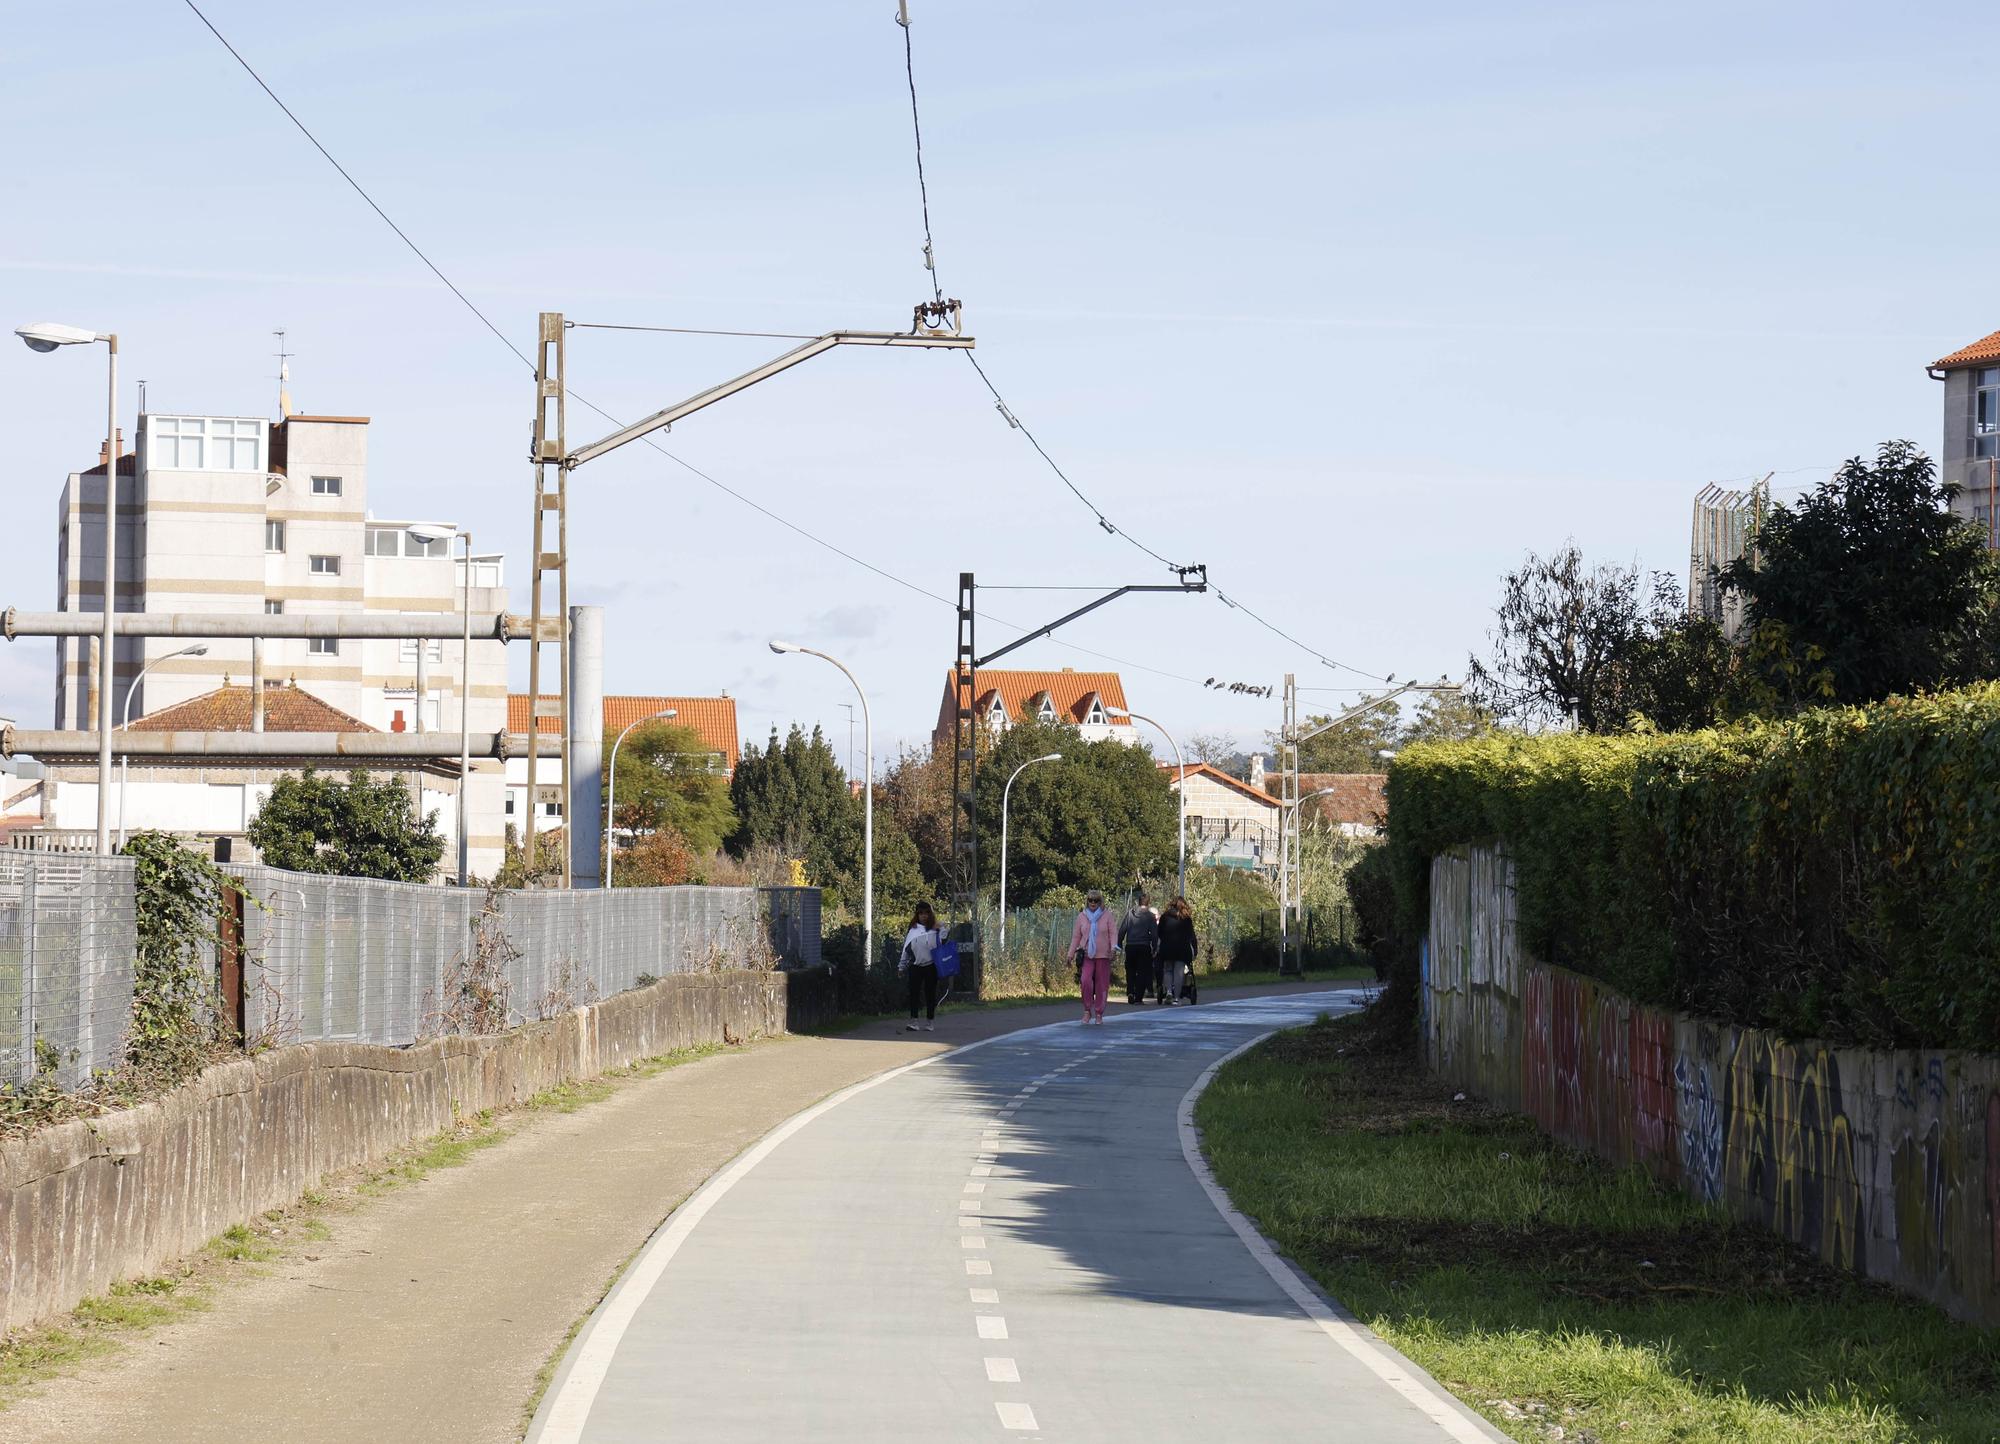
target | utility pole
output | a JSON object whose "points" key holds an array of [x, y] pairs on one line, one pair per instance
{"points": [[1288, 819], [933, 324]]}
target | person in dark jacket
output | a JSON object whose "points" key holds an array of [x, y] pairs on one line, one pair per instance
{"points": [[1178, 946], [1139, 936]]}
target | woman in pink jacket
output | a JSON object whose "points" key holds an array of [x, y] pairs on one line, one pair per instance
{"points": [[1091, 944]]}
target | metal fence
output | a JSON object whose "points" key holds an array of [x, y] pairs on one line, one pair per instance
{"points": [[349, 958], [355, 959], [67, 940]]}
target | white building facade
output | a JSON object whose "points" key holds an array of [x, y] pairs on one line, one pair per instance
{"points": [[239, 514]]}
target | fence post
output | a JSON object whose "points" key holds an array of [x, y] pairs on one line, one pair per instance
{"points": [[326, 1023], [28, 911], [229, 960]]}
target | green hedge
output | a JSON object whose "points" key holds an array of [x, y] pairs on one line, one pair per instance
{"points": [[1830, 874]]}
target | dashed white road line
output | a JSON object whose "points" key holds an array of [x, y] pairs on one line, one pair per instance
{"points": [[985, 1296], [992, 1326], [971, 1240], [1002, 1371], [1016, 1416], [978, 1266]]}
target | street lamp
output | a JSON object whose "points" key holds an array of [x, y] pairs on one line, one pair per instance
{"points": [[867, 798], [1181, 789], [428, 534], [46, 336], [1004, 792], [199, 649], [611, 803]]}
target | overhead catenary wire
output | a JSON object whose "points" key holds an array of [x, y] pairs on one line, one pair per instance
{"points": [[1013, 417], [679, 461]]}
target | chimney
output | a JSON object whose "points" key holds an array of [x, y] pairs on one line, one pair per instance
{"points": [[104, 448]]}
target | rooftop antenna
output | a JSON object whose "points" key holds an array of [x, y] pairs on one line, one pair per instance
{"points": [[284, 376]]}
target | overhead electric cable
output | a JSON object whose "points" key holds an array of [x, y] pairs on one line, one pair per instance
{"points": [[1013, 418], [689, 466]]}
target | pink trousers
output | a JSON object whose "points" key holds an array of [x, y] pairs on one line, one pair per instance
{"points": [[1096, 985]]}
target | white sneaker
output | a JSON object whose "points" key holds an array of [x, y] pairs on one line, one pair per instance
{"points": [[911, 1027], [930, 1027]]}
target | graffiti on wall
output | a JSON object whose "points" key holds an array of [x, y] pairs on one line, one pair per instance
{"points": [[1885, 1164]]}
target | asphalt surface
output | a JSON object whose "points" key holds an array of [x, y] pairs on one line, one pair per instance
{"points": [[1007, 1241]]}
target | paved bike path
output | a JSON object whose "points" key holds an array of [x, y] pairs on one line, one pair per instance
{"points": [[1007, 1242]]}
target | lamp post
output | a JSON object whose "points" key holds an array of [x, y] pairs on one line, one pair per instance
{"points": [[867, 798], [46, 336], [1180, 790], [611, 803], [1004, 794], [199, 649], [429, 534], [1298, 883]]}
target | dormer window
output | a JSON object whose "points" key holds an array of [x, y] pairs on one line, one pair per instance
{"points": [[997, 715], [1095, 717], [1045, 708]]}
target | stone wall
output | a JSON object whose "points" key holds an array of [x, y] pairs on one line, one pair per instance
{"points": [[1884, 1163], [84, 1205]]}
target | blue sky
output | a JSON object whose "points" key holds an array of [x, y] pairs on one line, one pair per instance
{"points": [[1356, 304]]}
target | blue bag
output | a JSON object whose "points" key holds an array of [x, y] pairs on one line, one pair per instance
{"points": [[946, 958]]}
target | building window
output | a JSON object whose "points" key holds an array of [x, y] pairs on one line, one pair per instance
{"points": [[323, 646], [383, 542], [326, 486], [274, 536], [552, 809], [1047, 711], [1096, 716], [415, 548], [510, 804], [1986, 411], [323, 566], [233, 445], [177, 442], [273, 607]]}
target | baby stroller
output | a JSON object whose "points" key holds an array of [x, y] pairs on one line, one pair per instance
{"points": [[1188, 990]]}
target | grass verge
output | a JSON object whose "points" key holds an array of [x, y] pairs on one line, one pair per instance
{"points": [[106, 1322], [1563, 1299]]}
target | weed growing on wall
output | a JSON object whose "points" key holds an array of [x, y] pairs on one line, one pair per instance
{"points": [[177, 1022]]}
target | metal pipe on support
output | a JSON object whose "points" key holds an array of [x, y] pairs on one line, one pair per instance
{"points": [[215, 745], [385, 626], [586, 747]]}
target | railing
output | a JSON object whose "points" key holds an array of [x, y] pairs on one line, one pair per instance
{"points": [[67, 940]]}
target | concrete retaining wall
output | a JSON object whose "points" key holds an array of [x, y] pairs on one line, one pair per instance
{"points": [[1884, 1163], [86, 1204]]}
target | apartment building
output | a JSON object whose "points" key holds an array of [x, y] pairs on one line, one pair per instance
{"points": [[1971, 453], [242, 514]]}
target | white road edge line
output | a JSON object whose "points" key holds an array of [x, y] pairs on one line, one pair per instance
{"points": [[1344, 1329], [566, 1406]]}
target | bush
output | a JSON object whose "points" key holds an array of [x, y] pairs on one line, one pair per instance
{"points": [[1830, 874]]}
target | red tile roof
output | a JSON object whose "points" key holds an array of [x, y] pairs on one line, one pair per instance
{"points": [[1237, 784], [1357, 797], [1069, 691], [1980, 353], [713, 717], [288, 708]]}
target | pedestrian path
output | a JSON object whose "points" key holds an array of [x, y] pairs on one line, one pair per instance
{"points": [[1005, 1242]]}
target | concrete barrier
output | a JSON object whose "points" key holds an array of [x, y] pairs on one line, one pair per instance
{"points": [[87, 1204], [1885, 1163]]}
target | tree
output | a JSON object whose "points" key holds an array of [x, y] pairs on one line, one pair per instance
{"points": [[362, 827], [662, 858], [1868, 587], [1217, 749], [793, 795], [1600, 648], [668, 778], [1102, 817], [916, 791], [1354, 745], [1446, 717]]}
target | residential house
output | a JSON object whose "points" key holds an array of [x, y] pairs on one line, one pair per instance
{"points": [[1971, 454], [1082, 699], [214, 795], [1229, 822], [714, 718], [1357, 805], [240, 514]]}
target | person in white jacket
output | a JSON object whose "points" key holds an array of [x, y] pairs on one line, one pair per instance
{"points": [[919, 963]]}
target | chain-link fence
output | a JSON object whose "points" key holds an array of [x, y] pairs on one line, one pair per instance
{"points": [[67, 941], [355, 959], [348, 958]]}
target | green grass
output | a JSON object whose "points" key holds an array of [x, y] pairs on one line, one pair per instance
{"points": [[1551, 1292]]}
